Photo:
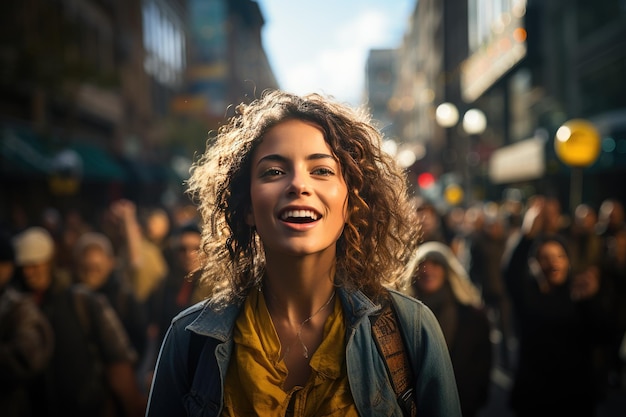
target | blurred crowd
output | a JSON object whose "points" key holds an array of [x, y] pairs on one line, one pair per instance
{"points": [[552, 300], [84, 307], [522, 285]]}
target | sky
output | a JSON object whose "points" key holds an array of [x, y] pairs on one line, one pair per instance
{"points": [[322, 45]]}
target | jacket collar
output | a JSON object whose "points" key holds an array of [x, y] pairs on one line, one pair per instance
{"points": [[219, 323]]}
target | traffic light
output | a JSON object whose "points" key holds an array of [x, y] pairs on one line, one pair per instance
{"points": [[425, 180]]}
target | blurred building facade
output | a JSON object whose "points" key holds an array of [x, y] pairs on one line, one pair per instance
{"points": [[529, 66], [88, 94], [380, 78]]}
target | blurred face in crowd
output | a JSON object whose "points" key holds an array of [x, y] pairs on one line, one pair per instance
{"points": [[93, 267], [6, 272], [612, 212], [430, 221], [187, 251], [431, 276], [554, 263], [157, 226], [38, 276], [585, 218]]}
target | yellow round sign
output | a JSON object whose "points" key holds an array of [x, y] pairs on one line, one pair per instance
{"points": [[577, 143], [453, 194]]}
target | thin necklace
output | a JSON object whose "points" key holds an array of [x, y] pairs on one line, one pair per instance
{"points": [[305, 350]]}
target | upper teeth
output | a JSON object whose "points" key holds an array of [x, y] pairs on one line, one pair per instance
{"points": [[299, 213]]}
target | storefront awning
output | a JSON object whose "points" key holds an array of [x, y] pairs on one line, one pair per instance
{"points": [[21, 154], [98, 165], [24, 153], [522, 161]]}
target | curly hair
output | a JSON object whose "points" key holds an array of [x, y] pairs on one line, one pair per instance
{"points": [[382, 229]]}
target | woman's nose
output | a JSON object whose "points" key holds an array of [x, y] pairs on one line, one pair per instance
{"points": [[299, 184]]}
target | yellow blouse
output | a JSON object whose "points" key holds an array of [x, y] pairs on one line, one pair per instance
{"points": [[256, 374]]}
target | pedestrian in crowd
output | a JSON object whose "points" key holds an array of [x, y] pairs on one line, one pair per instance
{"points": [[437, 278], [155, 222], [614, 286], [305, 219], [560, 321], [585, 245], [95, 267], [26, 339], [431, 222], [73, 226], [461, 224], [542, 216], [486, 250], [91, 370], [181, 287], [610, 217], [143, 263]]}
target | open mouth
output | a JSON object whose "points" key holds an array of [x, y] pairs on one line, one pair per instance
{"points": [[299, 216]]}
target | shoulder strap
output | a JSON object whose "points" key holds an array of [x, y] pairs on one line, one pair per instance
{"points": [[389, 341]]}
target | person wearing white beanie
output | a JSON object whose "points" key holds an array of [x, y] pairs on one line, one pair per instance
{"points": [[80, 380], [34, 254], [26, 339]]}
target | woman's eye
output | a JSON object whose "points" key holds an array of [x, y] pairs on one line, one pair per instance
{"points": [[271, 172], [323, 171]]}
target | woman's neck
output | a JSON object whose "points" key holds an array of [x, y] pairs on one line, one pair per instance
{"points": [[297, 287]]}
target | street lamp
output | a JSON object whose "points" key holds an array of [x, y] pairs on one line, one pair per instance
{"points": [[577, 144], [474, 123], [446, 115]]}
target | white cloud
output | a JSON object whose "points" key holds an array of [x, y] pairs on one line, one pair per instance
{"points": [[328, 55], [369, 28]]}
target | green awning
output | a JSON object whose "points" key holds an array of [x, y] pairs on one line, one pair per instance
{"points": [[24, 153], [21, 154], [98, 165]]}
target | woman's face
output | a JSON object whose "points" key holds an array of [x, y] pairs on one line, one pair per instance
{"points": [[298, 194], [431, 277], [554, 263]]}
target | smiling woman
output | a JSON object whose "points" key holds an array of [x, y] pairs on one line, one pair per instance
{"points": [[297, 187], [306, 222]]}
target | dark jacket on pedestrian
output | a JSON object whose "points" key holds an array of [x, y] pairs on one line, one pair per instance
{"points": [[557, 334], [26, 344], [89, 342]]}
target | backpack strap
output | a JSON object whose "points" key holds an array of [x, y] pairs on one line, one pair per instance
{"points": [[388, 338]]}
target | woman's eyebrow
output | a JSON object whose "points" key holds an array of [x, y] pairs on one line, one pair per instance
{"points": [[279, 158]]}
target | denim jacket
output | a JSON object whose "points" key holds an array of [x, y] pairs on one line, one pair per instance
{"points": [[435, 387]]}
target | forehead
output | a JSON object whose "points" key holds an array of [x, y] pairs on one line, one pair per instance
{"points": [[293, 135], [551, 247]]}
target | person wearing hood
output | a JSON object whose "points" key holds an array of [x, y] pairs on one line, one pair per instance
{"points": [[436, 277]]}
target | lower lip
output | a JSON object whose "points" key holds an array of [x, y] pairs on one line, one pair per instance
{"points": [[299, 227]]}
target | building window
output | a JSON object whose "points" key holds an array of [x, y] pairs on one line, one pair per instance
{"points": [[164, 43]]}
